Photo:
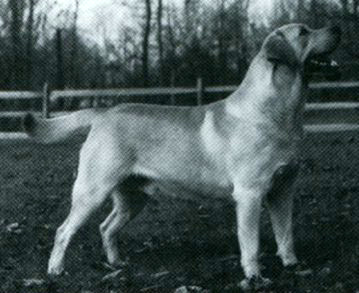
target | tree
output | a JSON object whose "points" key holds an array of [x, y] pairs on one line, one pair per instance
{"points": [[74, 78], [60, 76], [222, 37], [160, 40], [239, 23], [30, 44], [314, 12], [16, 23], [145, 42], [350, 19]]}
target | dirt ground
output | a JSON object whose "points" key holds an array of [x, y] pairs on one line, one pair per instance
{"points": [[176, 243]]}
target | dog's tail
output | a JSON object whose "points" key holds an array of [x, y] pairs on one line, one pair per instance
{"points": [[60, 128]]}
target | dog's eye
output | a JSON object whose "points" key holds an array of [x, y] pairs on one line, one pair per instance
{"points": [[303, 31]]}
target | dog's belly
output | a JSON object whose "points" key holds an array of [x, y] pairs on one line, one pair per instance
{"points": [[194, 190], [189, 184]]}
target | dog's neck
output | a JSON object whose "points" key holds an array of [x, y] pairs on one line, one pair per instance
{"points": [[275, 94]]}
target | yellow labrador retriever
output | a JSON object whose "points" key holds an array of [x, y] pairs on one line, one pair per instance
{"points": [[243, 147]]}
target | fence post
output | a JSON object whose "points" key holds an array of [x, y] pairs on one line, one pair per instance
{"points": [[45, 101], [173, 98], [60, 76], [200, 90]]}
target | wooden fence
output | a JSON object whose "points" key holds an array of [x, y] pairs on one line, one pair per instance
{"points": [[316, 113]]}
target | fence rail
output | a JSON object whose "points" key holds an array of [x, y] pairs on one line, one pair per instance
{"points": [[339, 113], [85, 93], [17, 95]]}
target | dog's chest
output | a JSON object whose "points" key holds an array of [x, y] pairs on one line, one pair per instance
{"points": [[255, 155]]}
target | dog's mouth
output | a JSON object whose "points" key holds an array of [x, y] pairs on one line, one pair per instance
{"points": [[323, 66]]}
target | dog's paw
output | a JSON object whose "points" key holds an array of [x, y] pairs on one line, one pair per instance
{"points": [[55, 271], [255, 283], [114, 266], [299, 269]]}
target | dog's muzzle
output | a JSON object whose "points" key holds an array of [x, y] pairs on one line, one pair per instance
{"points": [[320, 64], [323, 66]]}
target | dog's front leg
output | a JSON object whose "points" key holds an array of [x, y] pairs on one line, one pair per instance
{"points": [[248, 210], [280, 205], [280, 210], [248, 207]]}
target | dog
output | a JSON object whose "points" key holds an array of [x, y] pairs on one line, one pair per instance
{"points": [[243, 148]]}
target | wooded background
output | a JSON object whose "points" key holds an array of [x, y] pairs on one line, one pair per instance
{"points": [[162, 44]]}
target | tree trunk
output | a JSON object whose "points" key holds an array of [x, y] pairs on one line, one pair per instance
{"points": [[74, 50], [301, 11], [145, 43], [172, 44], [241, 41], [356, 4], [29, 45], [222, 44], [60, 76], [15, 30], [171, 37], [315, 15], [188, 20], [160, 41]]}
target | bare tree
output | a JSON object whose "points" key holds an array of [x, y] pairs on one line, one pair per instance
{"points": [[356, 7], [60, 76], [171, 49], [30, 44], [222, 34], [170, 33], [314, 13], [16, 10], [350, 19], [240, 38], [191, 21], [160, 40], [302, 11], [74, 79], [145, 42], [282, 13]]}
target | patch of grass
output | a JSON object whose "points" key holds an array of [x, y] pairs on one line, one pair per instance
{"points": [[171, 243]]}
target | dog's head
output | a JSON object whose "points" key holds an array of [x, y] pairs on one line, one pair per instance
{"points": [[302, 48]]}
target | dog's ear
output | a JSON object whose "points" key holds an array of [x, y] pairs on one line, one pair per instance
{"points": [[278, 50]]}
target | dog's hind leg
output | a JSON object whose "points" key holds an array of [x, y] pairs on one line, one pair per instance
{"points": [[85, 201], [97, 178], [125, 207]]}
